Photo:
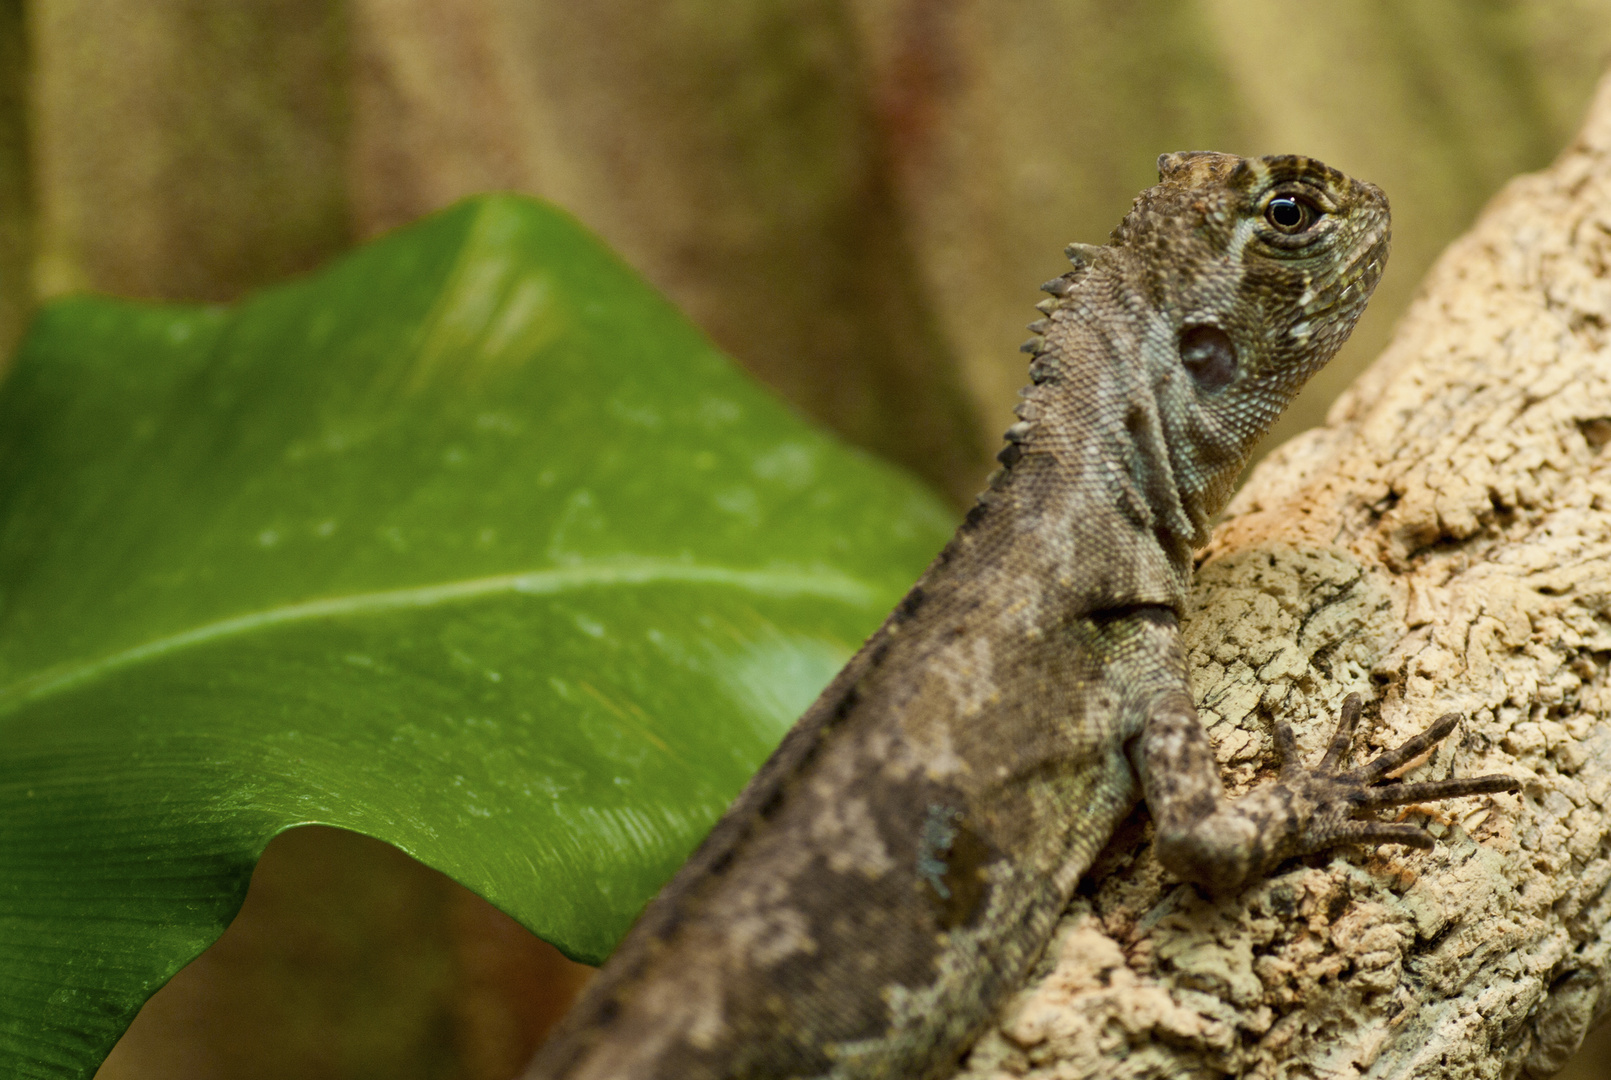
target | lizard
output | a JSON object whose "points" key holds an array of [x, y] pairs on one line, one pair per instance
{"points": [[898, 864]]}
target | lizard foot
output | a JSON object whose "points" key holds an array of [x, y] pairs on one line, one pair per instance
{"points": [[1222, 845], [1341, 797]]}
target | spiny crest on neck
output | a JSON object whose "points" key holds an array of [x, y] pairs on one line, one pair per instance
{"points": [[1244, 276]]}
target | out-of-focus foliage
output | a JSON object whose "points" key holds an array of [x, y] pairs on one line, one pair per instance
{"points": [[469, 543], [856, 199], [16, 218]]}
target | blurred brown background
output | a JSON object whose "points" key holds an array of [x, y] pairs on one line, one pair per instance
{"points": [[856, 198]]}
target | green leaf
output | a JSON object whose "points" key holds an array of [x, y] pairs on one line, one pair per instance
{"points": [[470, 543]]}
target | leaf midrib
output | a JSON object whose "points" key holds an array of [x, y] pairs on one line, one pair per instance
{"points": [[825, 583]]}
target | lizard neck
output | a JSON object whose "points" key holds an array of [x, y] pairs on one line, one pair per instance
{"points": [[1068, 516], [1090, 500]]}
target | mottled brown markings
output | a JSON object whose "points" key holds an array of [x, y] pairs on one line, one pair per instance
{"points": [[839, 939], [773, 803], [1137, 421], [952, 861], [909, 606], [1170, 541], [1155, 615], [878, 652]]}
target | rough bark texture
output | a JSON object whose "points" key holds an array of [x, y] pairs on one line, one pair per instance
{"points": [[1443, 544]]}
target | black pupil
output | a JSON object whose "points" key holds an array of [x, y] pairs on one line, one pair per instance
{"points": [[1286, 213], [1209, 356]]}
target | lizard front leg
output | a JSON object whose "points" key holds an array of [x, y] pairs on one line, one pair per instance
{"points": [[1222, 844]]}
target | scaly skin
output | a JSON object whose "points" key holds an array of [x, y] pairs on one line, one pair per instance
{"points": [[896, 867]]}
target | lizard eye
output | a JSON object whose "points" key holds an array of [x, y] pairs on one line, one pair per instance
{"points": [[1290, 214], [1209, 356]]}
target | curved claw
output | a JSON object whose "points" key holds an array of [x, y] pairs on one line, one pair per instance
{"points": [[1286, 745], [1382, 832], [1337, 752], [1342, 798], [1409, 750], [1453, 788], [1222, 845]]}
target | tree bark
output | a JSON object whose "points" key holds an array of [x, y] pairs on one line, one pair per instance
{"points": [[1442, 544]]}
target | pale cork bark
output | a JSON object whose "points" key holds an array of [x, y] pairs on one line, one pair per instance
{"points": [[1443, 544]]}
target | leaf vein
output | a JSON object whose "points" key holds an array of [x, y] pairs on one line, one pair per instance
{"points": [[821, 582]]}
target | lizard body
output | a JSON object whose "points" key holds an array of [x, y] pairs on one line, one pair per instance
{"points": [[898, 864]]}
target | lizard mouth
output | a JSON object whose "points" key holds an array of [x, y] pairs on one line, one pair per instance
{"points": [[1360, 270]]}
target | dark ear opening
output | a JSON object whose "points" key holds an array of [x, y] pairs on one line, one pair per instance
{"points": [[1209, 356]]}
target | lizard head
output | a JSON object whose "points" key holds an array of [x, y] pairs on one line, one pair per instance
{"points": [[1252, 272], [1168, 352]]}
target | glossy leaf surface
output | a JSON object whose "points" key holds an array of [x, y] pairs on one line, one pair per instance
{"points": [[470, 543]]}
